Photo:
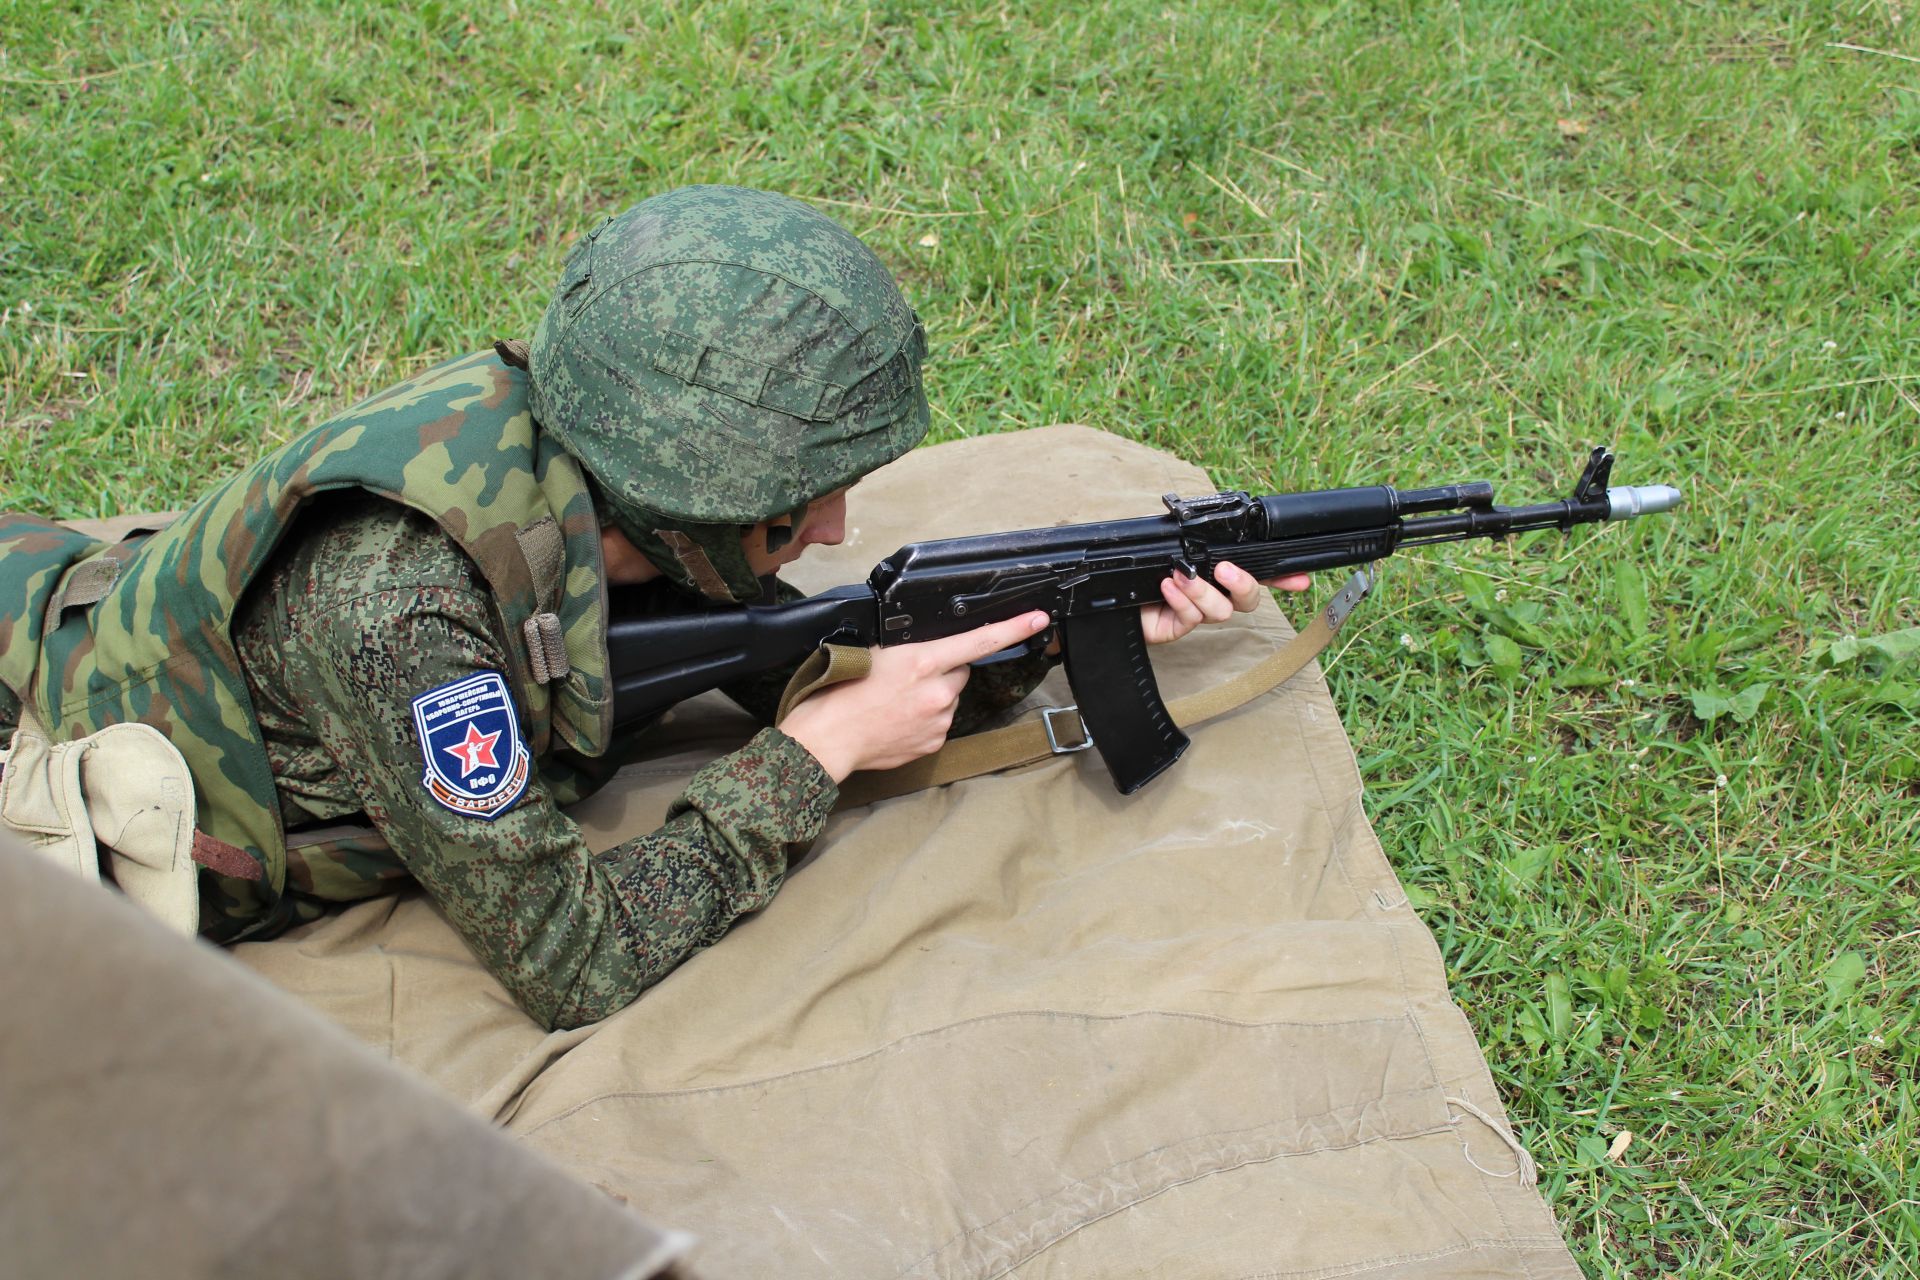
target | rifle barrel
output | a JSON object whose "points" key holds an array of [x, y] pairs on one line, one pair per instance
{"points": [[1493, 522]]}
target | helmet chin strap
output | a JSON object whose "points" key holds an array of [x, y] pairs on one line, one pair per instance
{"points": [[706, 560], [702, 559]]}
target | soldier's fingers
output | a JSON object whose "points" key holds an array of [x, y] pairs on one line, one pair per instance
{"points": [[953, 682], [1213, 606], [971, 646], [1186, 614], [1289, 582], [1239, 584]]}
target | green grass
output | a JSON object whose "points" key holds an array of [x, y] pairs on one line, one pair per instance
{"points": [[1665, 831]]}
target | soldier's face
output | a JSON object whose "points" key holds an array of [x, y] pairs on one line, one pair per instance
{"points": [[824, 523]]}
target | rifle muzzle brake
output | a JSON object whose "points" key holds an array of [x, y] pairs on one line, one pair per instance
{"points": [[1628, 501]]}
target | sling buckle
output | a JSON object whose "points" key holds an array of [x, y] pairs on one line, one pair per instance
{"points": [[1053, 737]]}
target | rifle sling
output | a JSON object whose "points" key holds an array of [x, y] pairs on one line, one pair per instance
{"points": [[830, 664], [1029, 741]]}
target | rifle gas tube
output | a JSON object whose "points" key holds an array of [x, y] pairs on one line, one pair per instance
{"points": [[1091, 580]]}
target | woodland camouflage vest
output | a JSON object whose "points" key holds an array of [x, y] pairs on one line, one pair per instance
{"points": [[457, 443]]}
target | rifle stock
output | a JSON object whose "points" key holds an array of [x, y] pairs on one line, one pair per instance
{"points": [[660, 659]]}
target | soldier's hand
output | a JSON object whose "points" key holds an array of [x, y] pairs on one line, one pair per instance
{"points": [[1192, 601], [902, 709]]}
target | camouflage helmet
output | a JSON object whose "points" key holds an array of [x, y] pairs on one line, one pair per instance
{"points": [[715, 357]]}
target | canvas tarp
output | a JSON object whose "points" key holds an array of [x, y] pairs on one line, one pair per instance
{"points": [[166, 1115], [1020, 1025]]}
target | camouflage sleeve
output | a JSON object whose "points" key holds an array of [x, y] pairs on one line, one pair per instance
{"points": [[573, 935], [990, 690]]}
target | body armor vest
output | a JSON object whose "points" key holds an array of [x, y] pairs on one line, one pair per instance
{"points": [[93, 634]]}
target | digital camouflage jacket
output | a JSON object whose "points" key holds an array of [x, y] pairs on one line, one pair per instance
{"points": [[92, 634]]}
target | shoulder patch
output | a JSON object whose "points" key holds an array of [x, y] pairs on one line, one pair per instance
{"points": [[477, 762]]}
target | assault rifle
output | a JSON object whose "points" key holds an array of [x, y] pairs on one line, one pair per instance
{"points": [[1091, 579]]}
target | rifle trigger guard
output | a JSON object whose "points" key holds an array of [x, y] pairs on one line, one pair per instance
{"points": [[1053, 739], [1348, 598]]}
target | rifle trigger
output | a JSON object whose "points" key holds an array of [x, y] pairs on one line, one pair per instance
{"points": [[1010, 653]]}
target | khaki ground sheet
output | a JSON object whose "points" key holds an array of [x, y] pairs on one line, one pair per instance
{"points": [[1021, 1025], [166, 1115]]}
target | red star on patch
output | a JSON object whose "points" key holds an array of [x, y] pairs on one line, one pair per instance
{"points": [[476, 752]]}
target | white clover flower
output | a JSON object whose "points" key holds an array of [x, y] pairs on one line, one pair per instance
{"points": [[1501, 594], [1406, 641], [1829, 344], [1720, 782]]}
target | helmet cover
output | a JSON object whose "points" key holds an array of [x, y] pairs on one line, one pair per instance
{"points": [[717, 356]]}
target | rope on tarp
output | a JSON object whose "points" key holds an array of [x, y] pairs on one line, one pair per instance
{"points": [[1524, 1167]]}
